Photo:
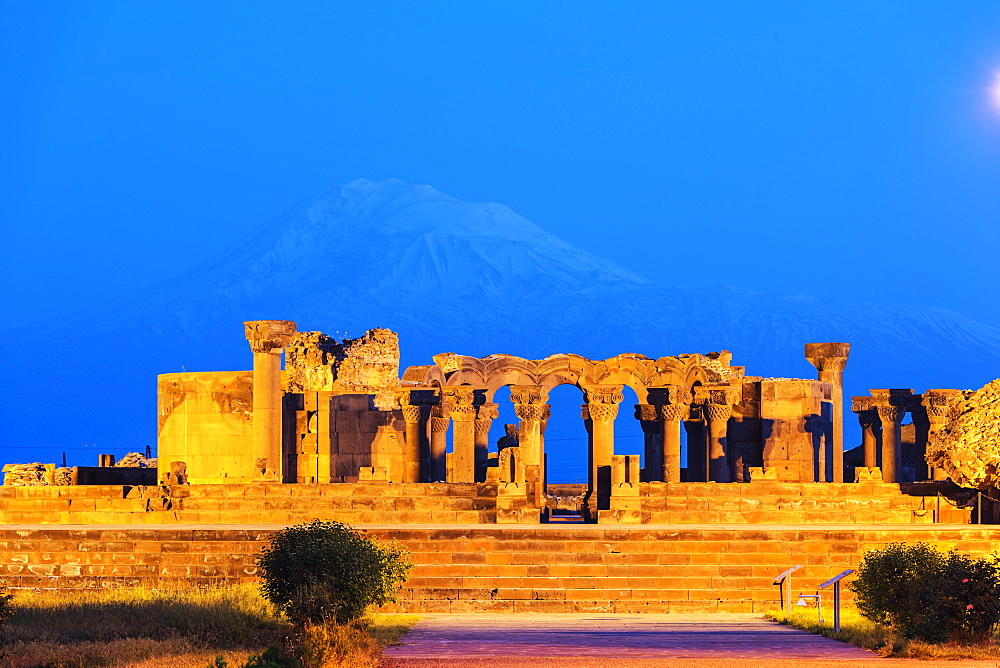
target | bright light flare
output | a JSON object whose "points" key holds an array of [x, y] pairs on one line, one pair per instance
{"points": [[995, 91]]}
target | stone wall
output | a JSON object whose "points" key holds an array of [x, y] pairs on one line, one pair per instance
{"points": [[205, 421], [512, 569]]}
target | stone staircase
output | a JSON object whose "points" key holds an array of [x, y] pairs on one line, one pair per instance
{"points": [[766, 502], [542, 568], [773, 502]]}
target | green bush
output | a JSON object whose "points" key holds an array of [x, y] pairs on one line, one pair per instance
{"points": [[321, 571], [921, 592]]}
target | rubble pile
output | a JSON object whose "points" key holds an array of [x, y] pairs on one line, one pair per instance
{"points": [[136, 460], [968, 446], [27, 475], [63, 476]]}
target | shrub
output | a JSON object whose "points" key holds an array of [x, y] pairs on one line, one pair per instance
{"points": [[321, 571], [923, 593], [5, 607], [345, 646]]}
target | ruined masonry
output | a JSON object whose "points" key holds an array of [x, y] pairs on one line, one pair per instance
{"points": [[339, 434], [340, 413]]}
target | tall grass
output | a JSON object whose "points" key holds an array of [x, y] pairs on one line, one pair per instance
{"points": [[162, 629], [865, 633]]}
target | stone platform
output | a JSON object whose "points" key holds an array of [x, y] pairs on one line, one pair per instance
{"points": [[759, 502], [666, 568]]}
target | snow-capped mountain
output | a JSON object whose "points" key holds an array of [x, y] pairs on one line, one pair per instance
{"points": [[447, 275]]}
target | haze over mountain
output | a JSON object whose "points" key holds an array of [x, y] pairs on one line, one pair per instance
{"points": [[455, 276]]}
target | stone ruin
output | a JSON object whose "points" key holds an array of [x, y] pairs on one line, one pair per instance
{"points": [[341, 412], [965, 438], [38, 474]]}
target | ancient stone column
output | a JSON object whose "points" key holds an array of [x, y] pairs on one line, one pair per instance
{"points": [[411, 444], [939, 412], [829, 360], [652, 442], [892, 456], [530, 408], [921, 433], [672, 403], [267, 338], [485, 415], [544, 465], [870, 425], [463, 457], [694, 425], [440, 420], [718, 421], [891, 405], [670, 427], [602, 409]]}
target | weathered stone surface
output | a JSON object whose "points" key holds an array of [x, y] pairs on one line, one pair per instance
{"points": [[316, 362], [29, 475], [136, 460], [967, 446]]}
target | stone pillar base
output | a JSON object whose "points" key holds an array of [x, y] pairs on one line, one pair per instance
{"points": [[867, 474], [619, 517], [758, 473]]}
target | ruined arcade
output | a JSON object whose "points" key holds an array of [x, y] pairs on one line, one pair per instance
{"points": [[338, 433]]}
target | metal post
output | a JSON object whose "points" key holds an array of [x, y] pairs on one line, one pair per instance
{"points": [[784, 582], [836, 607], [835, 581]]}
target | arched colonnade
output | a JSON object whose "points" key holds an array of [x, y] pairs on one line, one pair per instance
{"points": [[457, 392]]}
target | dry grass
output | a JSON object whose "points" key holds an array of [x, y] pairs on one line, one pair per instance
{"points": [[862, 632], [158, 629]]}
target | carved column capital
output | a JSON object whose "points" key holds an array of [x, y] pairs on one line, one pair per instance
{"points": [[862, 404], [717, 412], [488, 411], [668, 394], [412, 414], [532, 411], [483, 425], [889, 414], [717, 394], [828, 356], [674, 412], [645, 412], [442, 409], [439, 424], [603, 412], [603, 401], [892, 404], [463, 413], [604, 394], [939, 403], [528, 394], [269, 336]]}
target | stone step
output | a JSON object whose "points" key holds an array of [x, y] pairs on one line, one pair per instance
{"points": [[477, 568]]}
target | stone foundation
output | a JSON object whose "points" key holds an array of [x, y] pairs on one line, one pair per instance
{"points": [[584, 568], [766, 502]]}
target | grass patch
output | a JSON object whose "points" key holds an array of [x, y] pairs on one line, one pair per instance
{"points": [[866, 634], [388, 629], [163, 629]]}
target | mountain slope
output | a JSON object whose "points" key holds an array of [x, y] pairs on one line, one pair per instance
{"points": [[447, 275]]}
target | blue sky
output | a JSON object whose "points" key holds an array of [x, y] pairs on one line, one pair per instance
{"points": [[845, 149]]}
